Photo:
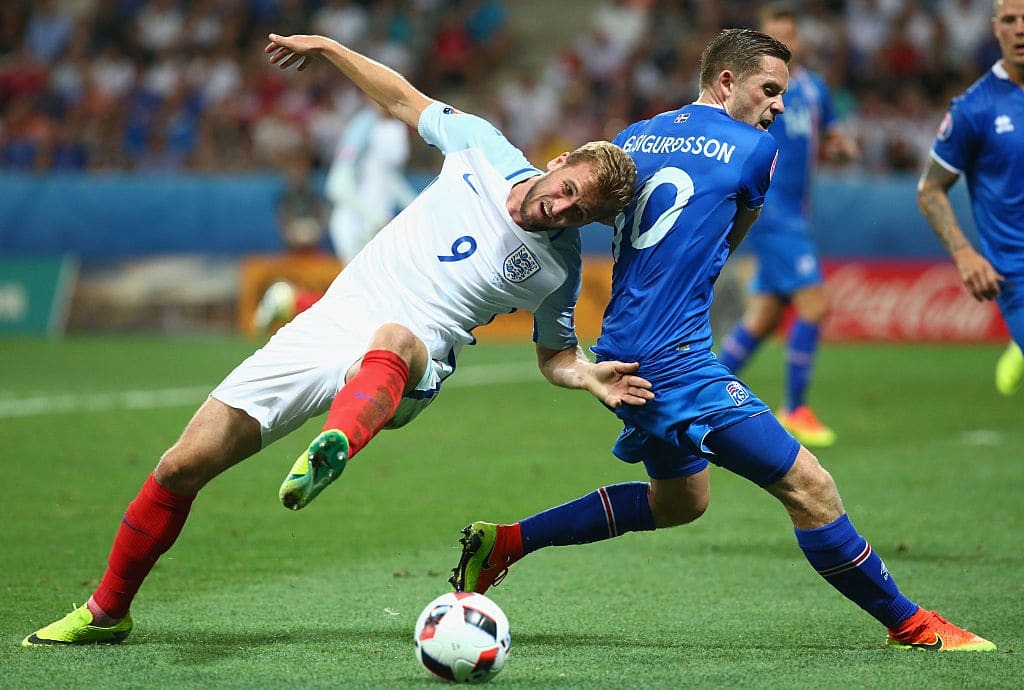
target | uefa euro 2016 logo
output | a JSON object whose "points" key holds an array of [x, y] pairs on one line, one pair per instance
{"points": [[737, 392], [520, 265]]}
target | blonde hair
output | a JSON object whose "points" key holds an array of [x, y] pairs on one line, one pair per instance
{"points": [[614, 175]]}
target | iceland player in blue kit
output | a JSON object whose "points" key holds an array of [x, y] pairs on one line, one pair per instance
{"points": [[702, 174], [788, 271], [982, 138]]}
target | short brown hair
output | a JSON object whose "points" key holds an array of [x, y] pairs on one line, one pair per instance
{"points": [[614, 175], [739, 50]]}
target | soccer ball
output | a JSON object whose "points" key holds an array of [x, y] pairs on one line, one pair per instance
{"points": [[462, 637]]}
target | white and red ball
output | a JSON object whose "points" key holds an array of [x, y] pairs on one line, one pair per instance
{"points": [[462, 637]]}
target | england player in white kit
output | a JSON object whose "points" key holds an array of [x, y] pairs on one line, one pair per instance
{"points": [[489, 235], [366, 183]]}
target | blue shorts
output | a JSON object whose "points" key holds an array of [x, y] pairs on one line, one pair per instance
{"points": [[702, 412], [1011, 304], [787, 260]]}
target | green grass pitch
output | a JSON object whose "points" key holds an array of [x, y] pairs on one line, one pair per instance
{"points": [[930, 463]]}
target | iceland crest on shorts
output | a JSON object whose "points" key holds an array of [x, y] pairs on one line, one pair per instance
{"points": [[737, 392], [520, 265]]}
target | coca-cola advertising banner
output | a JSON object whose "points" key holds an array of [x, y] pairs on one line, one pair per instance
{"points": [[906, 301]]}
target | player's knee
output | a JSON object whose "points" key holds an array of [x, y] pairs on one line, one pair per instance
{"points": [[808, 492], [677, 510], [175, 476], [675, 515], [184, 471], [813, 305], [815, 313], [398, 339]]}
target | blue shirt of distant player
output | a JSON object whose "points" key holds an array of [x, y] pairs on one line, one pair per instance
{"points": [[694, 165], [982, 137], [808, 113]]}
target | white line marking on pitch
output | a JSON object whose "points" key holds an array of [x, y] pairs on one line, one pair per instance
{"points": [[496, 374]]}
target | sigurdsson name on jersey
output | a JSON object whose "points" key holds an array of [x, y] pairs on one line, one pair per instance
{"points": [[696, 145]]}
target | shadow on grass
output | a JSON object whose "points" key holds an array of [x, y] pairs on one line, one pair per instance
{"points": [[697, 646], [207, 645]]}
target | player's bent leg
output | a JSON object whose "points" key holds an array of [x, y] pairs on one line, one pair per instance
{"points": [[365, 404], [216, 438], [680, 500], [77, 628], [846, 561], [808, 492], [1010, 370], [488, 550]]}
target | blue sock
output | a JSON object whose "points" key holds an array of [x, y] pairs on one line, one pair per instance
{"points": [[737, 348], [847, 562], [800, 351], [602, 514]]}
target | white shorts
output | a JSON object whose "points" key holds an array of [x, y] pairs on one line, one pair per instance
{"points": [[295, 376]]}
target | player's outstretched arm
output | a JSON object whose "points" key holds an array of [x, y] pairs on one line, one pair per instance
{"points": [[978, 275], [385, 86], [613, 383]]}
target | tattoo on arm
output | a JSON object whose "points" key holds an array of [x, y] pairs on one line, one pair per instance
{"points": [[933, 200]]}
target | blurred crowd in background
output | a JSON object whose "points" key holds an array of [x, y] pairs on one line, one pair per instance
{"points": [[177, 86]]}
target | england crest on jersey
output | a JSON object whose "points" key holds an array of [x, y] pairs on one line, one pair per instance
{"points": [[520, 265]]}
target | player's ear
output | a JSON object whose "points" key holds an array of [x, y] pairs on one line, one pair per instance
{"points": [[556, 163], [726, 83]]}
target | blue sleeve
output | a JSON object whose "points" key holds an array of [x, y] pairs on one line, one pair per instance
{"points": [[757, 172], [828, 112], [450, 130], [553, 325], [955, 141]]}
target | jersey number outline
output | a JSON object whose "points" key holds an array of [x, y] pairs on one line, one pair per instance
{"points": [[679, 180], [462, 248]]}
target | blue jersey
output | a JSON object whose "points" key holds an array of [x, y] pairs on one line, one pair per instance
{"points": [[695, 167], [982, 137], [808, 113]]}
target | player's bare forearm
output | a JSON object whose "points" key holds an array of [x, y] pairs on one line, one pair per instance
{"points": [[613, 383], [933, 200], [386, 87], [978, 275]]}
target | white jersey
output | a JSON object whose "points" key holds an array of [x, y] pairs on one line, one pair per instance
{"points": [[454, 259], [451, 261]]}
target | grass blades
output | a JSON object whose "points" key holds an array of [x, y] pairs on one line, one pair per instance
{"points": [[929, 463]]}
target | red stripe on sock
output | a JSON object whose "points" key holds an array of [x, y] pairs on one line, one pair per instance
{"points": [[368, 401], [149, 527], [850, 565], [609, 514]]}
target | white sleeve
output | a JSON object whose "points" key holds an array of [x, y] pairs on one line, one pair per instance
{"points": [[450, 130]]}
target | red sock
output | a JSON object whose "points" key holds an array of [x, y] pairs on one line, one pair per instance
{"points": [[509, 542], [366, 403], [149, 527]]}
